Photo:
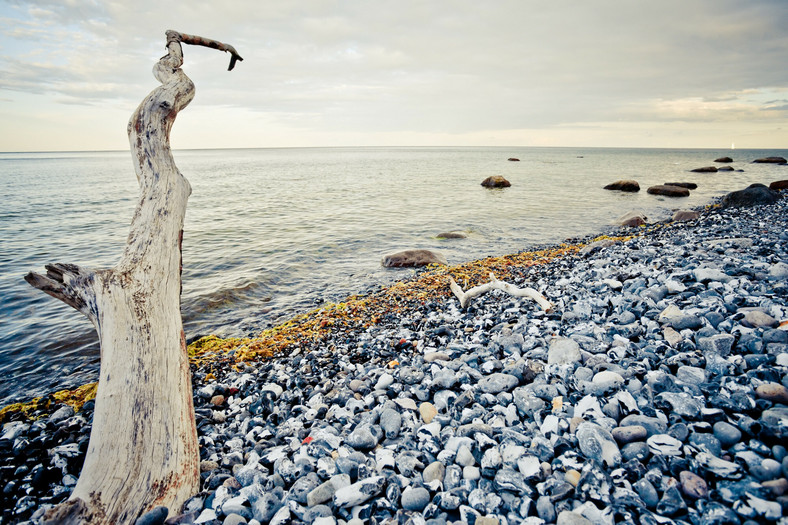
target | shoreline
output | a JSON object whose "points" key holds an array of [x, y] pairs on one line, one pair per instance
{"points": [[347, 364]]}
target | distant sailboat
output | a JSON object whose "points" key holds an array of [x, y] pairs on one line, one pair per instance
{"points": [[733, 146]]}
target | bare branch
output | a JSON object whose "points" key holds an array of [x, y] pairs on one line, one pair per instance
{"points": [[495, 284]]}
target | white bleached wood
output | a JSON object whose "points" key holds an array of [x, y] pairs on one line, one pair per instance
{"points": [[143, 449], [494, 284]]}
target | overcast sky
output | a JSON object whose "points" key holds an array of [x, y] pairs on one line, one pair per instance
{"points": [[627, 73]]}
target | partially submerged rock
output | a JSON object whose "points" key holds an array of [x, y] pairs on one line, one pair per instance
{"points": [[413, 258], [496, 181], [688, 185], [779, 185], [770, 160], [724, 159], [753, 195], [624, 185], [632, 219], [705, 169], [669, 191], [452, 235]]}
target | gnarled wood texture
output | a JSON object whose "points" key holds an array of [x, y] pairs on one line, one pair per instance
{"points": [[494, 284], [143, 449]]}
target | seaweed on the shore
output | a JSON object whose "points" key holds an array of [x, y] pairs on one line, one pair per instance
{"points": [[211, 354]]}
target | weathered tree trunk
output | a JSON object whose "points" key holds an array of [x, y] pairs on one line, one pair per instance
{"points": [[143, 449]]}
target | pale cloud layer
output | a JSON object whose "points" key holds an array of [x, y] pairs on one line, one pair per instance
{"points": [[341, 73]]}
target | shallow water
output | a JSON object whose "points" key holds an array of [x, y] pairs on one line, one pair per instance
{"points": [[270, 233]]}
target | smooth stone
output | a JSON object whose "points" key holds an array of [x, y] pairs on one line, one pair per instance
{"points": [[359, 492], [636, 450], [563, 351], [693, 485], [497, 383], [234, 519], [406, 403], [567, 517], [384, 381], [664, 445], [435, 471], [325, 491], [362, 438], [413, 258], [607, 380], [155, 516], [415, 499], [647, 492], [597, 443], [774, 392], [759, 319], [708, 442], [545, 509], [390, 422], [496, 181], [427, 411], [652, 424], [464, 457], [624, 435], [691, 374]]}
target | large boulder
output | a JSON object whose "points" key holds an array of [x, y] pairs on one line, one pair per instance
{"points": [[779, 185], [624, 185], [724, 159], [413, 258], [688, 185], [496, 181], [771, 160], [669, 191], [706, 169], [752, 195]]}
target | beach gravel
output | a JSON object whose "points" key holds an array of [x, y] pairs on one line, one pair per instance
{"points": [[662, 399]]}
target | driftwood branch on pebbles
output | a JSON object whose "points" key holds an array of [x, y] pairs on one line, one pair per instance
{"points": [[495, 284]]}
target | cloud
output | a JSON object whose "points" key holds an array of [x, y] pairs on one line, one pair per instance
{"points": [[461, 67]]}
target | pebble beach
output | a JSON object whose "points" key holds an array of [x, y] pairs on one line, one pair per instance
{"points": [[653, 392]]}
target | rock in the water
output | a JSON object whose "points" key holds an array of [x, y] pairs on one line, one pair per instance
{"points": [[496, 181], [624, 185], [685, 215], [452, 235], [770, 160], [724, 160], [705, 169], [753, 195], [779, 185], [670, 191], [413, 258], [688, 185], [632, 219]]}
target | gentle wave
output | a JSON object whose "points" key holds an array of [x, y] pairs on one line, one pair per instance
{"points": [[271, 233]]}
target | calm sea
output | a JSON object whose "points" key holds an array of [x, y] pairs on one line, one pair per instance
{"points": [[271, 233]]}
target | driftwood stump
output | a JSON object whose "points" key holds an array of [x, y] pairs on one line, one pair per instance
{"points": [[143, 449]]}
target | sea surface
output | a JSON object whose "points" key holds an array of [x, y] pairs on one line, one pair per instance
{"points": [[271, 233]]}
